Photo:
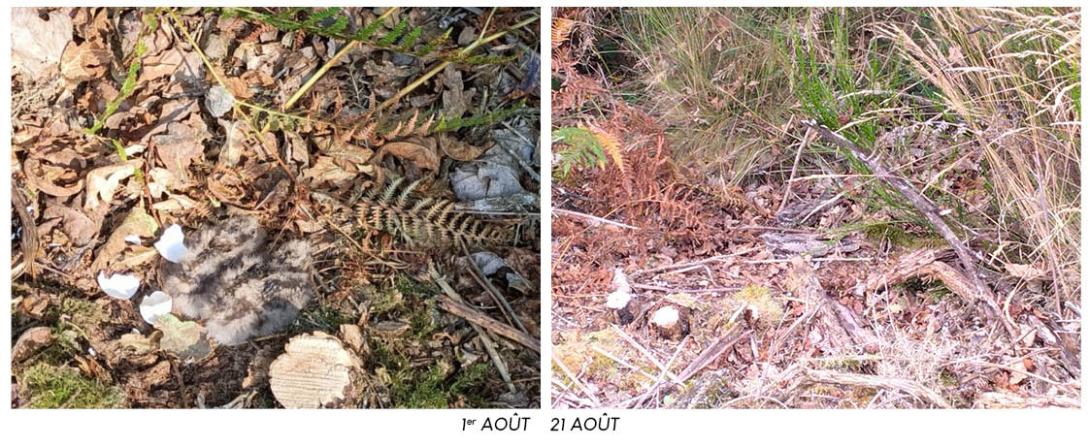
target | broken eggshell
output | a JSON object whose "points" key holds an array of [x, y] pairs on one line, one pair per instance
{"points": [[172, 244], [119, 285], [155, 305]]}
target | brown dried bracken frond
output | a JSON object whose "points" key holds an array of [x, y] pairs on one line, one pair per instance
{"points": [[562, 28], [610, 145], [425, 221]]}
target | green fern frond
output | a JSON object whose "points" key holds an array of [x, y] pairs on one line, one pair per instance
{"points": [[334, 23], [410, 39], [391, 37], [583, 148]]}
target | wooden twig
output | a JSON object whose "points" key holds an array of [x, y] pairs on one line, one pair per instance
{"points": [[701, 262], [891, 383], [29, 239], [497, 297], [712, 352], [497, 360], [621, 362], [689, 291], [594, 219], [925, 207], [645, 353], [453, 303], [794, 167], [578, 383], [638, 400]]}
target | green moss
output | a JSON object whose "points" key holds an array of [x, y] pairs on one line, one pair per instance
{"points": [[424, 320], [411, 287], [324, 318], [83, 313], [385, 301], [767, 308], [430, 388], [49, 386], [948, 379]]}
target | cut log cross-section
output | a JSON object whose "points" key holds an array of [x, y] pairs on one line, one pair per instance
{"points": [[315, 371]]}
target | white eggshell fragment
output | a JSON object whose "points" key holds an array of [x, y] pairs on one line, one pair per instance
{"points": [[155, 305], [172, 244], [119, 285]]}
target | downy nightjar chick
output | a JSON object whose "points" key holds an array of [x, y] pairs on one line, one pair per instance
{"points": [[237, 285]]}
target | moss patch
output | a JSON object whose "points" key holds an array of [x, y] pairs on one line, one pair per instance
{"points": [[48, 386], [432, 389]]}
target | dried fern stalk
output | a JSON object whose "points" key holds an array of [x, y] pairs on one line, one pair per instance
{"points": [[426, 221]]}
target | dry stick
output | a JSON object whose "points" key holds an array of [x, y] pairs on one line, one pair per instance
{"points": [[635, 368], [869, 381], [794, 168], [497, 297], [775, 345], [929, 211], [690, 291], [318, 74], [29, 241], [594, 219], [578, 383], [325, 67], [495, 355], [643, 351], [696, 263], [658, 381], [457, 307], [453, 303], [711, 353], [438, 68]]}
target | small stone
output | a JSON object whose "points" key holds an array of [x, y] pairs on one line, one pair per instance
{"points": [[219, 101]]}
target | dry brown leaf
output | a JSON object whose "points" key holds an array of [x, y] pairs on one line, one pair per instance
{"points": [[44, 178], [79, 227], [1025, 272], [113, 252], [238, 88], [37, 44], [327, 170], [458, 149], [174, 204], [30, 342], [102, 183], [182, 144], [83, 62], [421, 155]]}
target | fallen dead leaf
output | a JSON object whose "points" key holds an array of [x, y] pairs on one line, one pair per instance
{"points": [[44, 178], [424, 156], [458, 149], [37, 43], [83, 62], [102, 183], [187, 339], [117, 254], [30, 342], [1025, 272]]}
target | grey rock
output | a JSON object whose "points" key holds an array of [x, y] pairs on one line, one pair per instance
{"points": [[219, 101]]}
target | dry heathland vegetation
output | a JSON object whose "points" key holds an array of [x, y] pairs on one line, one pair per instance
{"points": [[861, 208], [374, 171]]}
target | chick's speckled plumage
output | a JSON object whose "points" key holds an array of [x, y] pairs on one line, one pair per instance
{"points": [[236, 284]]}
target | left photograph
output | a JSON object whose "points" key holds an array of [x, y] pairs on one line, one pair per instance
{"points": [[275, 207]]}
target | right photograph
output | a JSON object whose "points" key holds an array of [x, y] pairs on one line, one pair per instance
{"points": [[816, 208]]}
